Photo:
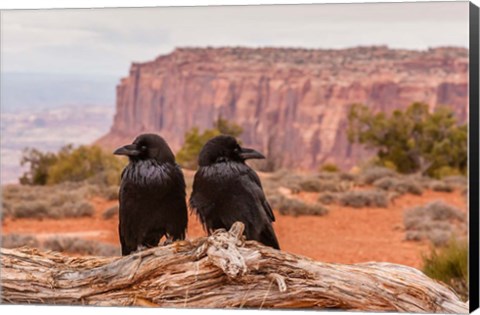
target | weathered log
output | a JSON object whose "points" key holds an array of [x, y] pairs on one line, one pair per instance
{"points": [[221, 271]]}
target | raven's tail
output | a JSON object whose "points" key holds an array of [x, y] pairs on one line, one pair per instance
{"points": [[268, 237]]}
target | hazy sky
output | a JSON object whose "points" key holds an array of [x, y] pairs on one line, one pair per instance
{"points": [[106, 41]]}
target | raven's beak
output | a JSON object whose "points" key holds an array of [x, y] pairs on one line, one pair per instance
{"points": [[247, 154], [129, 150]]}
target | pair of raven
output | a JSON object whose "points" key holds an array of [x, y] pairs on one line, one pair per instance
{"points": [[225, 190]]}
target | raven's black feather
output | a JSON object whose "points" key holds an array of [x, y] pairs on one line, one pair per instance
{"points": [[152, 195], [226, 190]]}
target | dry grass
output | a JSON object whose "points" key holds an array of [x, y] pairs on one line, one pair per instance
{"points": [[295, 207], [18, 240], [80, 246], [449, 265], [328, 198], [372, 174], [110, 212], [399, 185], [71, 245], [317, 185], [67, 200], [364, 198], [438, 185]]}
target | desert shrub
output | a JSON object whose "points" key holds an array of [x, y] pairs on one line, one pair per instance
{"points": [[80, 246], [63, 244], [372, 174], [295, 207], [110, 212], [400, 185], [327, 198], [310, 185], [285, 179], [18, 240], [435, 221], [316, 185], [364, 198], [110, 192], [347, 177], [327, 176], [30, 209], [57, 201], [449, 265], [456, 181], [329, 167], [61, 197], [75, 210], [442, 186]]}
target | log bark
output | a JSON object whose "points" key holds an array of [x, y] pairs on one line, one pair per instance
{"points": [[219, 271]]}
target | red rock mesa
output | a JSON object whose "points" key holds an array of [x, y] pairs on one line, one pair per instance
{"points": [[291, 103]]}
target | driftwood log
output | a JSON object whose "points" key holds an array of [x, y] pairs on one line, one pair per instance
{"points": [[220, 271]]}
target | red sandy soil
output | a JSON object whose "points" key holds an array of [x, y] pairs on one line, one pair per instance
{"points": [[344, 235]]}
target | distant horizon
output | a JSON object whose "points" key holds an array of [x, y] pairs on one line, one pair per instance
{"points": [[106, 41], [219, 47]]}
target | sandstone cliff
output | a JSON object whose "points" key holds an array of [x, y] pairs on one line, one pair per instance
{"points": [[291, 103]]}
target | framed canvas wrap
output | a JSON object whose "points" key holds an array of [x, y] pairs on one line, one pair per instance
{"points": [[281, 156]]}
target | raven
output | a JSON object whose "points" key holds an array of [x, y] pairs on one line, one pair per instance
{"points": [[152, 195], [226, 190]]}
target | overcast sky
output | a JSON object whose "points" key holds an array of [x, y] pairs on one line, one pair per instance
{"points": [[106, 41]]}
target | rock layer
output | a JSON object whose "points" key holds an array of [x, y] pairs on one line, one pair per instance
{"points": [[291, 103]]}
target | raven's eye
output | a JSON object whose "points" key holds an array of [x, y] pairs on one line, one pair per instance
{"points": [[143, 147]]}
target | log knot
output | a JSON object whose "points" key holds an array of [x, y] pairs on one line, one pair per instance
{"points": [[223, 250]]}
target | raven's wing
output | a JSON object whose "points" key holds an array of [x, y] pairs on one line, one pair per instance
{"points": [[198, 203], [252, 181], [258, 215]]}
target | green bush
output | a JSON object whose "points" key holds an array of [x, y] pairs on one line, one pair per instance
{"points": [[415, 140], [449, 265], [70, 164], [39, 165], [330, 168], [83, 163], [194, 141]]}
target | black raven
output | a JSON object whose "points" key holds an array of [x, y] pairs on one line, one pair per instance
{"points": [[226, 190], [152, 195]]}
